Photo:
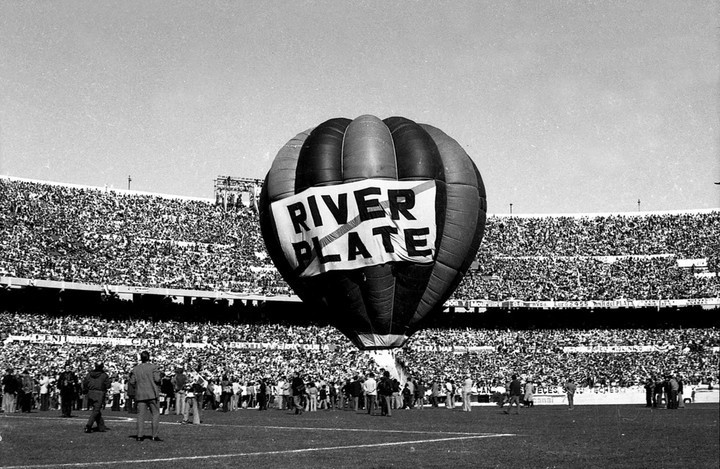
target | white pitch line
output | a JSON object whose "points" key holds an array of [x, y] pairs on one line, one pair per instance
{"points": [[74, 419], [358, 430], [118, 419], [265, 453]]}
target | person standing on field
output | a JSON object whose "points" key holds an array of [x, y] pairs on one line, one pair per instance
{"points": [[298, 392], [179, 381], [529, 393], [467, 394], [649, 386], [66, 385], [356, 390], [680, 399], [146, 378], [673, 389], [570, 389], [96, 385], [384, 391], [515, 390], [10, 387], [45, 392], [194, 390], [419, 394], [27, 386], [450, 393], [370, 390], [116, 389]]}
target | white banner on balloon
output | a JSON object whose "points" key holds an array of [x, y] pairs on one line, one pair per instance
{"points": [[359, 224]]}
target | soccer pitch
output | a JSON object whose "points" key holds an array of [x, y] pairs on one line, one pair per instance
{"points": [[543, 436]]}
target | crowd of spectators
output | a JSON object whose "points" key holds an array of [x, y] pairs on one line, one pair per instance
{"points": [[214, 358], [584, 279], [430, 355], [548, 357], [107, 237], [685, 235], [169, 331], [103, 237], [553, 340]]}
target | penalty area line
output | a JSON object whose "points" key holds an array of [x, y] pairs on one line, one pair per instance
{"points": [[260, 453]]}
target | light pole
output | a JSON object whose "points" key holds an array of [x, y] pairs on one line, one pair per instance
{"points": [[638, 205], [227, 192], [129, 181], [510, 209]]}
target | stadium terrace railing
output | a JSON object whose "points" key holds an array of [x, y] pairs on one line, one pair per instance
{"points": [[480, 305]]}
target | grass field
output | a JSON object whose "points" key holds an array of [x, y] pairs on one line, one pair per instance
{"points": [[540, 437]]}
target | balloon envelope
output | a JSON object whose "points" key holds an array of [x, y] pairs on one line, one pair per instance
{"points": [[376, 221]]}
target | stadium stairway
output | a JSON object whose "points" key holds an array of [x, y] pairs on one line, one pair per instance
{"points": [[386, 359]]}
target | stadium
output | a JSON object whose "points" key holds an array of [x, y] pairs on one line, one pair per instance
{"points": [[336, 234], [96, 274]]}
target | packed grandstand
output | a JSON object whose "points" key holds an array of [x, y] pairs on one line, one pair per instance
{"points": [[57, 239], [108, 237]]}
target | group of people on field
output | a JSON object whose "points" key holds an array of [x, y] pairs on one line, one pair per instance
{"points": [[665, 389]]}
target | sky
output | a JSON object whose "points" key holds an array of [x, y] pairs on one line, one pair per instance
{"points": [[565, 106]]}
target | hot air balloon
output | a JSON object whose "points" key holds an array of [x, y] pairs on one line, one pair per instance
{"points": [[376, 221]]}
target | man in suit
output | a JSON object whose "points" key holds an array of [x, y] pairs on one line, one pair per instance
{"points": [[356, 391], [146, 378], [298, 392], [66, 384], [179, 381], [385, 394], [10, 387], [570, 388], [516, 393]]}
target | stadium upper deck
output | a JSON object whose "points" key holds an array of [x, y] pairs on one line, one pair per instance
{"points": [[105, 237]]}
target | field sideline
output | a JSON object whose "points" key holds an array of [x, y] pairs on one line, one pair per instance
{"points": [[628, 436]]}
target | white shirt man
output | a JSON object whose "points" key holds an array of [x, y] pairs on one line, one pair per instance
{"points": [[370, 390], [235, 394]]}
